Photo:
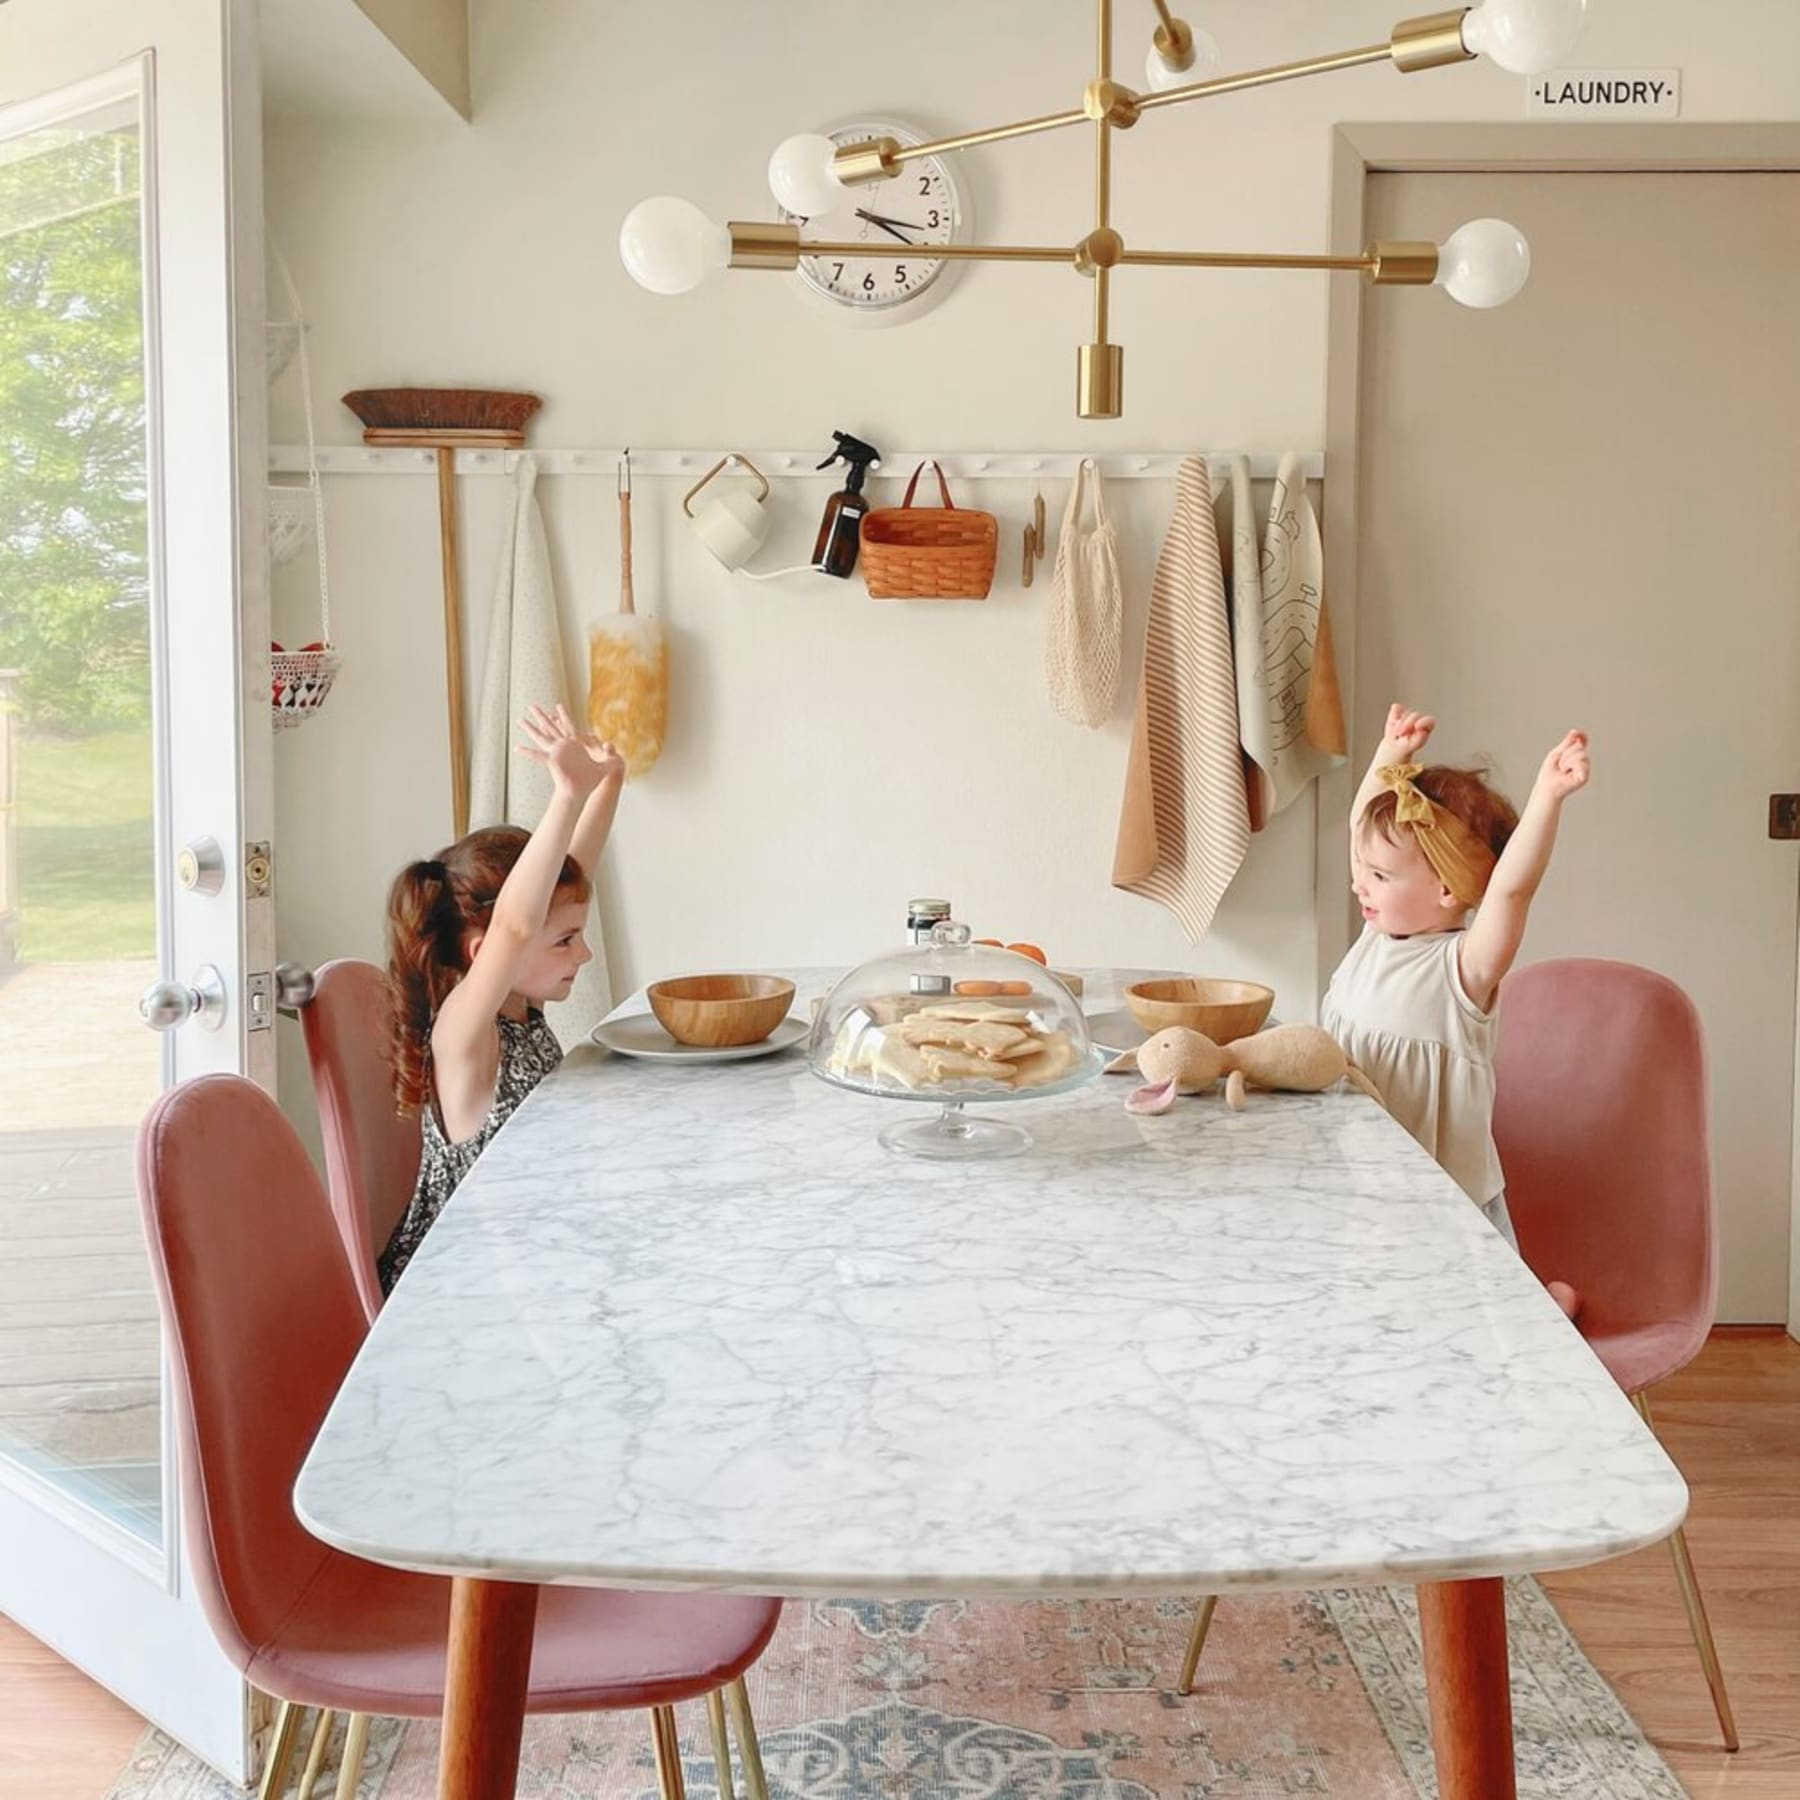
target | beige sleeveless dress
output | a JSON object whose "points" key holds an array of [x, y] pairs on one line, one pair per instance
{"points": [[1398, 1008]]}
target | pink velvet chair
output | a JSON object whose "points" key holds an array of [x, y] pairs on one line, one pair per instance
{"points": [[371, 1150], [1601, 1123], [262, 1319]]}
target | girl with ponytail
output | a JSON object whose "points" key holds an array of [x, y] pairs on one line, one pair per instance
{"points": [[480, 937]]}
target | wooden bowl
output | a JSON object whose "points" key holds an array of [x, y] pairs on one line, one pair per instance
{"points": [[1222, 1009], [719, 1012]]}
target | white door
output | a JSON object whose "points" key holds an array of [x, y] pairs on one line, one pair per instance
{"points": [[1579, 510], [131, 449]]}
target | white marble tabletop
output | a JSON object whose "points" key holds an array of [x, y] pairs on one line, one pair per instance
{"points": [[693, 1327]]}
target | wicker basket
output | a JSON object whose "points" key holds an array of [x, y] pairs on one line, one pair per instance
{"points": [[929, 552]]}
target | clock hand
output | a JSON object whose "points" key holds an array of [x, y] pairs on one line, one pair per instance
{"points": [[888, 225]]}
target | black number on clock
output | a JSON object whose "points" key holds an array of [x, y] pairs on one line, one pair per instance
{"points": [[868, 284], [924, 184], [900, 273], [932, 217], [837, 271]]}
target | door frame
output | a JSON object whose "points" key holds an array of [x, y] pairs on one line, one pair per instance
{"points": [[207, 682], [1357, 152]]}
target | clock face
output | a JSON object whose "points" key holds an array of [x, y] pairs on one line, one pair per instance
{"points": [[899, 219]]}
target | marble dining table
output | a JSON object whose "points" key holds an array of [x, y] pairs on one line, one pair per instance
{"points": [[692, 1327]]}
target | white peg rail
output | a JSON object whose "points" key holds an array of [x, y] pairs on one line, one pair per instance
{"points": [[780, 465]]}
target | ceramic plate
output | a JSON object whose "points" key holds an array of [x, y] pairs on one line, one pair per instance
{"points": [[1115, 1032], [641, 1035]]}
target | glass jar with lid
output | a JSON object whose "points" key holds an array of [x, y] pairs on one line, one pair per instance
{"points": [[953, 1024]]}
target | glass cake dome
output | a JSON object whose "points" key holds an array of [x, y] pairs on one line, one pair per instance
{"points": [[953, 1023]]}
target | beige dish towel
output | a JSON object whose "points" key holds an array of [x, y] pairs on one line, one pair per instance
{"points": [[1306, 709], [525, 665], [1183, 828], [1256, 730]]}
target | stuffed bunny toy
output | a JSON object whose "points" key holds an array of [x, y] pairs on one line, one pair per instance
{"points": [[1295, 1059]]}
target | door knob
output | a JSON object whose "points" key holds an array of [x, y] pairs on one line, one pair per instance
{"points": [[167, 1004], [294, 984]]}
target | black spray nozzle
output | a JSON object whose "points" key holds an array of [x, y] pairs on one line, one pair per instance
{"points": [[857, 454]]}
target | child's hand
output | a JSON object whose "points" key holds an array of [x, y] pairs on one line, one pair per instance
{"points": [[1407, 731], [607, 758], [577, 765], [1567, 768]]}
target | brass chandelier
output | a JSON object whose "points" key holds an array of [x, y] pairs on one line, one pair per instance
{"points": [[670, 246]]}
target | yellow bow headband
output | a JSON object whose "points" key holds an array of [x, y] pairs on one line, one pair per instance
{"points": [[1462, 861]]}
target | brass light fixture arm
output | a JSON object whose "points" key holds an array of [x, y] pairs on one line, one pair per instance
{"points": [[1431, 41], [756, 245]]}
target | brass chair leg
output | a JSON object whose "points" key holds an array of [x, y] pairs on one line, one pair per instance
{"points": [[356, 1747], [1196, 1644], [715, 1712], [315, 1754], [281, 1751], [756, 1784], [667, 1743], [1698, 1624]]}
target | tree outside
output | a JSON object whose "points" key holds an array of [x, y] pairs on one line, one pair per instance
{"points": [[74, 573]]}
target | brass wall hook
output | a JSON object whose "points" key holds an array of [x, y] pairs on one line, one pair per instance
{"points": [[1034, 538]]}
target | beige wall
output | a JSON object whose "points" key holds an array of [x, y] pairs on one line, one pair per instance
{"points": [[830, 757]]}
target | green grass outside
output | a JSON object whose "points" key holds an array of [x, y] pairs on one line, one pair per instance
{"points": [[85, 848]]}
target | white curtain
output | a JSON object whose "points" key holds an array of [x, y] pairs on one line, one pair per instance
{"points": [[525, 664]]}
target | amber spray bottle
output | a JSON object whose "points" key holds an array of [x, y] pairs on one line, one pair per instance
{"points": [[840, 530]]}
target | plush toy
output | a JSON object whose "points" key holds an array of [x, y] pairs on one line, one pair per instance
{"points": [[1299, 1059]]}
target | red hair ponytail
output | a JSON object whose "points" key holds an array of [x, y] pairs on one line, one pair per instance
{"points": [[434, 908]]}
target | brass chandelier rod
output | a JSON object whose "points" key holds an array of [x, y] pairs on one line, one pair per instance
{"points": [[1255, 78], [756, 245], [1428, 42]]}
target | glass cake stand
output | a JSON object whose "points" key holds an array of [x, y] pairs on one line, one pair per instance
{"points": [[952, 1024]]}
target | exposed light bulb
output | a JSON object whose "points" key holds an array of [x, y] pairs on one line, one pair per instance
{"points": [[1484, 263], [670, 246], [803, 175], [1159, 76], [1525, 36]]}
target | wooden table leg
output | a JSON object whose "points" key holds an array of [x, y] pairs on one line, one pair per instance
{"points": [[1464, 1627], [491, 1623]]}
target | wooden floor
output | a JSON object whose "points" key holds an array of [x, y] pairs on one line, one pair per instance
{"points": [[1732, 1421], [61, 1737]]}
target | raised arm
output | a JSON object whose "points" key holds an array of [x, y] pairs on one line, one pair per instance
{"points": [[1406, 734], [1492, 941], [464, 1032]]}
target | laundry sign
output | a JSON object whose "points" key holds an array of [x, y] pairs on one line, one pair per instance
{"points": [[1606, 94]]}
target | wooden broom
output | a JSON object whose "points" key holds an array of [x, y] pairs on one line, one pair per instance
{"points": [[447, 420]]}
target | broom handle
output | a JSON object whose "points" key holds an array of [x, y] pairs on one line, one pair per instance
{"points": [[459, 743], [627, 599]]}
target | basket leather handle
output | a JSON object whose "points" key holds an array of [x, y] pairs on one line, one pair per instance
{"points": [[943, 486]]}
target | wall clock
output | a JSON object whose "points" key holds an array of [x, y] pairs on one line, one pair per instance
{"points": [[899, 219]]}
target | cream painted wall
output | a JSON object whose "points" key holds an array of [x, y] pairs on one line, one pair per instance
{"points": [[830, 756]]}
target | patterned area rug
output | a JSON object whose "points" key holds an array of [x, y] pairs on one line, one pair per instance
{"points": [[1300, 1694]]}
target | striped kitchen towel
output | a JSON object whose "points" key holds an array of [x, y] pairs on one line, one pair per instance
{"points": [[1184, 827]]}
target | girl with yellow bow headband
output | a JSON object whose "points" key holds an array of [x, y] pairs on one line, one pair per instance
{"points": [[1444, 870]]}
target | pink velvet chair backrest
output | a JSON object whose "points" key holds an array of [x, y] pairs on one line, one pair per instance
{"points": [[371, 1149], [262, 1320], [1601, 1124]]}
